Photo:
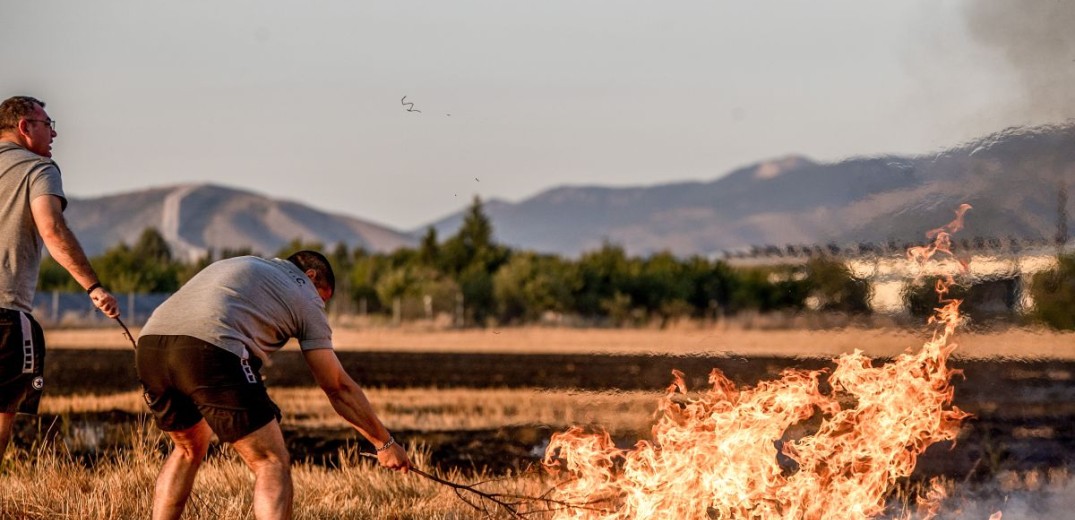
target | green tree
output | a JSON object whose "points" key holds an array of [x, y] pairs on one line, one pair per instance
{"points": [[660, 287], [152, 246], [833, 285], [412, 285], [602, 282], [428, 248], [770, 289], [472, 257], [145, 267], [529, 285], [1053, 292], [711, 285], [362, 279]]}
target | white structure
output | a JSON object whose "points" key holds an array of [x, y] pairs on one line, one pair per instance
{"points": [[889, 272]]}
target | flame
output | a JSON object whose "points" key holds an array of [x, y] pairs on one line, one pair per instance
{"points": [[719, 454], [942, 242]]}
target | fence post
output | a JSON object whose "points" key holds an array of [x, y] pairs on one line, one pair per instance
{"points": [[397, 311], [459, 316]]}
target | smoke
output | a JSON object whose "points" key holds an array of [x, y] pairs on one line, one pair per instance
{"points": [[1052, 497], [1036, 40]]}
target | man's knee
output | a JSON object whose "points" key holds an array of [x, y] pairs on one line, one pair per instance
{"points": [[277, 460], [192, 443], [264, 448], [7, 426]]}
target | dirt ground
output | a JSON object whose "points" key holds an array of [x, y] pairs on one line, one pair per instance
{"points": [[695, 340]]}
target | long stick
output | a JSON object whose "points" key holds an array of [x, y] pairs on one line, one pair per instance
{"points": [[508, 503], [127, 333]]}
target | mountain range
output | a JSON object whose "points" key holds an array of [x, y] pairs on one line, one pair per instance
{"points": [[1016, 180], [195, 218]]}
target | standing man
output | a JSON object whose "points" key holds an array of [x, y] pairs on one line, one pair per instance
{"points": [[31, 213], [199, 358]]}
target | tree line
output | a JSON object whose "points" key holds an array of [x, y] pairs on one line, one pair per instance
{"points": [[488, 283]]}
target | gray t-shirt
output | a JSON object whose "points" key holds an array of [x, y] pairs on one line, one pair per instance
{"points": [[246, 305], [24, 176]]}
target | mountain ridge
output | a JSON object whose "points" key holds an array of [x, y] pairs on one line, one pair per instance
{"points": [[197, 217], [1011, 177]]}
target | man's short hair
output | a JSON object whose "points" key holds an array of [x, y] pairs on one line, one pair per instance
{"points": [[15, 108], [307, 259]]}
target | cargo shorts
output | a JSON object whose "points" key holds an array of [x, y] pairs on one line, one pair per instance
{"points": [[22, 362], [185, 379]]}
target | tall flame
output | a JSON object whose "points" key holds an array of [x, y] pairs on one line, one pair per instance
{"points": [[719, 454]]}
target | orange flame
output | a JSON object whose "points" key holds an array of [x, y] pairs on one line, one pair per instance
{"points": [[718, 454], [942, 241]]}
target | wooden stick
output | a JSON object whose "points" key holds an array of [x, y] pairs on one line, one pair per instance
{"points": [[506, 502]]}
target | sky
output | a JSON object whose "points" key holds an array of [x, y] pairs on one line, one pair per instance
{"points": [[302, 101]]}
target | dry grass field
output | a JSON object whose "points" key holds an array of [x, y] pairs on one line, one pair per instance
{"points": [[120, 487], [117, 484], [692, 339], [427, 409]]}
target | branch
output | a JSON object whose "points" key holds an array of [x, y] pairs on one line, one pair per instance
{"points": [[509, 503]]}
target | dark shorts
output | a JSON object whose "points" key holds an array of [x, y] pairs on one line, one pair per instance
{"points": [[186, 379], [22, 362]]}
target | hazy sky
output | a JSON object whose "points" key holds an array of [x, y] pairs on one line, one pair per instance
{"points": [[301, 100]]}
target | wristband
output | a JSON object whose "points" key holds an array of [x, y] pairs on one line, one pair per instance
{"points": [[388, 444], [91, 288]]}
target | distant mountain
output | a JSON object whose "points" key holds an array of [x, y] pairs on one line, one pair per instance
{"points": [[196, 217], [1011, 178]]}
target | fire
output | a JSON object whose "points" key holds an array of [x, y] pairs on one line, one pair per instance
{"points": [[781, 449]]}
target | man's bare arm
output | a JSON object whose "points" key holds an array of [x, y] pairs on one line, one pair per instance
{"points": [[350, 402], [65, 249]]}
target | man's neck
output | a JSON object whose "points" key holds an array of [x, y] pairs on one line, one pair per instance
{"points": [[14, 140]]}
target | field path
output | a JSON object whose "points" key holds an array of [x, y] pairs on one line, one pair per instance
{"points": [[1012, 343]]}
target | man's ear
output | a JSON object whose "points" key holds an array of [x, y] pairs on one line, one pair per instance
{"points": [[312, 275]]}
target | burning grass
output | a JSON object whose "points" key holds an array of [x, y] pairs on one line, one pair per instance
{"points": [[119, 486], [726, 454]]}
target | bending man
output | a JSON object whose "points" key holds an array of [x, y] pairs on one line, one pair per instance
{"points": [[199, 357], [31, 213]]}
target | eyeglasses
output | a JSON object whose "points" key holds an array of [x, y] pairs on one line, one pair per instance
{"points": [[50, 122]]}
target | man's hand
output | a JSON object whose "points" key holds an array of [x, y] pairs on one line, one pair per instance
{"points": [[395, 457], [105, 301]]}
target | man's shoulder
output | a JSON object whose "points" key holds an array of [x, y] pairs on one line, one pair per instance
{"points": [[12, 154], [12, 150]]}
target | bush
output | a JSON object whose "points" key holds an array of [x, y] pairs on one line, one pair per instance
{"points": [[1054, 295]]}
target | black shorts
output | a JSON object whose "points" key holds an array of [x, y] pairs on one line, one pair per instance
{"points": [[186, 379], [22, 362]]}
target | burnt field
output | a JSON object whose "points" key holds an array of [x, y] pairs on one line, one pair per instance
{"points": [[1023, 411]]}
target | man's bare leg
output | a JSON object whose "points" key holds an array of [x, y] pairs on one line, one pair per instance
{"points": [[176, 478], [7, 425], [264, 451]]}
